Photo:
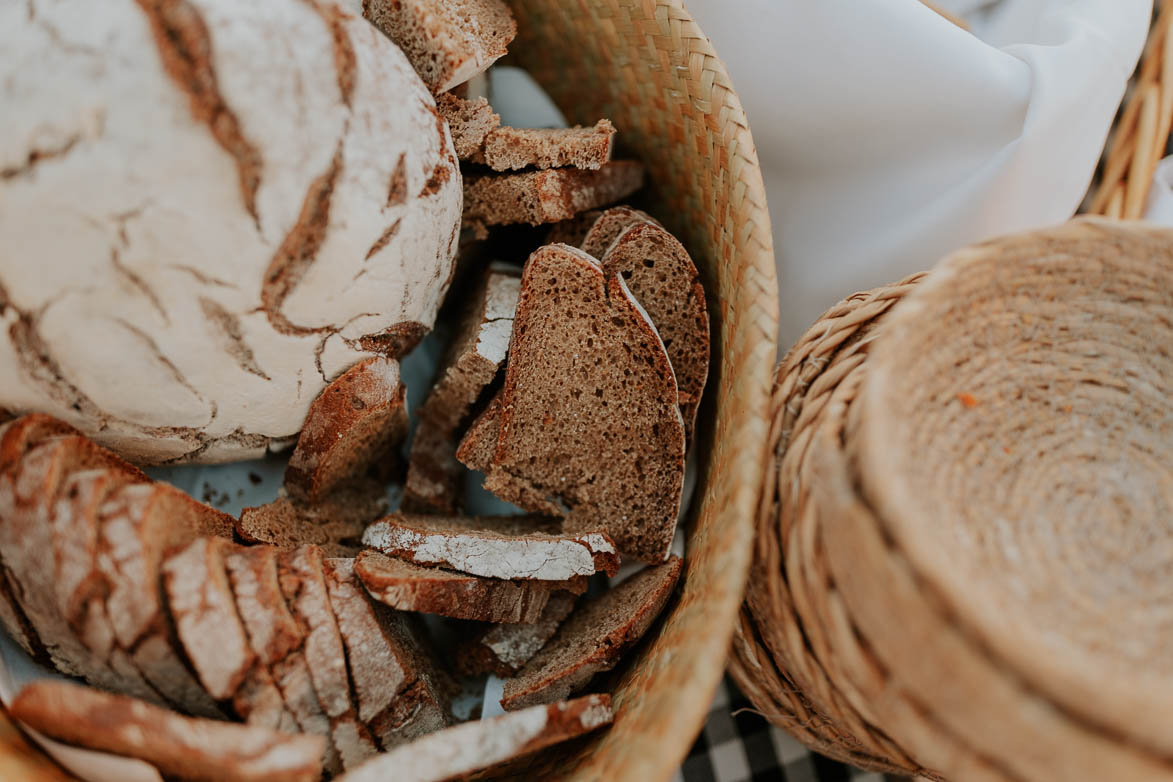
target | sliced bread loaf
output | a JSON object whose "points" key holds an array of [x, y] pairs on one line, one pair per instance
{"points": [[589, 424], [447, 41], [180, 747], [20, 436], [469, 121], [429, 590], [473, 359], [537, 197], [504, 547], [664, 280], [459, 751], [504, 648], [510, 149], [352, 424], [594, 637], [606, 229]]}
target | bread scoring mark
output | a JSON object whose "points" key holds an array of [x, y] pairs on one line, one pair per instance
{"points": [[201, 276], [228, 327], [440, 174], [393, 341], [138, 283], [344, 58], [153, 348], [55, 36], [397, 189], [299, 249], [185, 48], [381, 242], [36, 156]]}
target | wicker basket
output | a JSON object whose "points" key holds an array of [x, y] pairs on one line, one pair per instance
{"points": [[647, 66], [893, 618]]}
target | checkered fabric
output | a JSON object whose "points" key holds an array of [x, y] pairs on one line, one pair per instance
{"points": [[737, 745]]}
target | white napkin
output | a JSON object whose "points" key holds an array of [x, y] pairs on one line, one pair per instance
{"points": [[889, 136], [1160, 201]]}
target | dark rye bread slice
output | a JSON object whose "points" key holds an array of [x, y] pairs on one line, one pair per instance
{"points": [[469, 121], [472, 361], [335, 523], [179, 747], [594, 637], [479, 443], [352, 424], [511, 149], [408, 587], [321, 658], [400, 693], [606, 229], [503, 649], [447, 41], [589, 425], [664, 280], [504, 547], [463, 749], [537, 197]]}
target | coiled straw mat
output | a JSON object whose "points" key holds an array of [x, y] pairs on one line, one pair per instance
{"points": [[963, 567]]}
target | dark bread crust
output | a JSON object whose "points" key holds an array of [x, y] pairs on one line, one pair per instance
{"points": [[548, 196]]}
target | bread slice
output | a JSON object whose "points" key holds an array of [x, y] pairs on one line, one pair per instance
{"points": [[504, 547], [458, 751], [537, 197], [469, 121], [293, 675], [400, 694], [179, 747], [321, 658], [335, 523], [473, 360], [503, 649], [664, 280], [594, 638], [428, 590], [353, 423], [510, 149], [479, 443], [606, 229], [589, 425], [447, 41]]}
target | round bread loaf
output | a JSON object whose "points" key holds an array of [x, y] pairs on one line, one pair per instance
{"points": [[208, 210]]}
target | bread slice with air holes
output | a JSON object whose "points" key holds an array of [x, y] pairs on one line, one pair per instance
{"points": [[593, 639], [479, 443], [352, 424], [335, 523], [471, 363], [607, 227], [590, 427], [548, 196], [512, 149], [469, 121], [504, 547], [662, 277], [447, 41]]}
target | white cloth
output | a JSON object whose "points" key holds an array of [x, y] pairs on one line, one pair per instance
{"points": [[1160, 201], [889, 136]]}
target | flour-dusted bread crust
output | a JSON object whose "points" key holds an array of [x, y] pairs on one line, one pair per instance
{"points": [[505, 547], [230, 203], [537, 197], [662, 277], [504, 648], [510, 149], [469, 121], [594, 637], [607, 226], [463, 749], [447, 41], [472, 362], [589, 424], [353, 423], [180, 747], [408, 587]]}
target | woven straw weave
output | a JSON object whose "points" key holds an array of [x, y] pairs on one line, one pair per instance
{"points": [[647, 66], [962, 569]]}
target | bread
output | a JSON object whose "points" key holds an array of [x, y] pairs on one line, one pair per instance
{"points": [[258, 701], [409, 587], [574, 230], [398, 691], [594, 637], [607, 227], [280, 201], [179, 747], [474, 357], [469, 121], [352, 424], [503, 547], [503, 649], [510, 149], [447, 41], [664, 280], [612, 457], [537, 197], [463, 749], [204, 611], [335, 523], [479, 443]]}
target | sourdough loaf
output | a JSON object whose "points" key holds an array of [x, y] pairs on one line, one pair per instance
{"points": [[237, 225], [537, 197]]}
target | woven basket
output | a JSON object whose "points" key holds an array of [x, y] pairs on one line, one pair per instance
{"points": [[1141, 132], [900, 614], [647, 66]]}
